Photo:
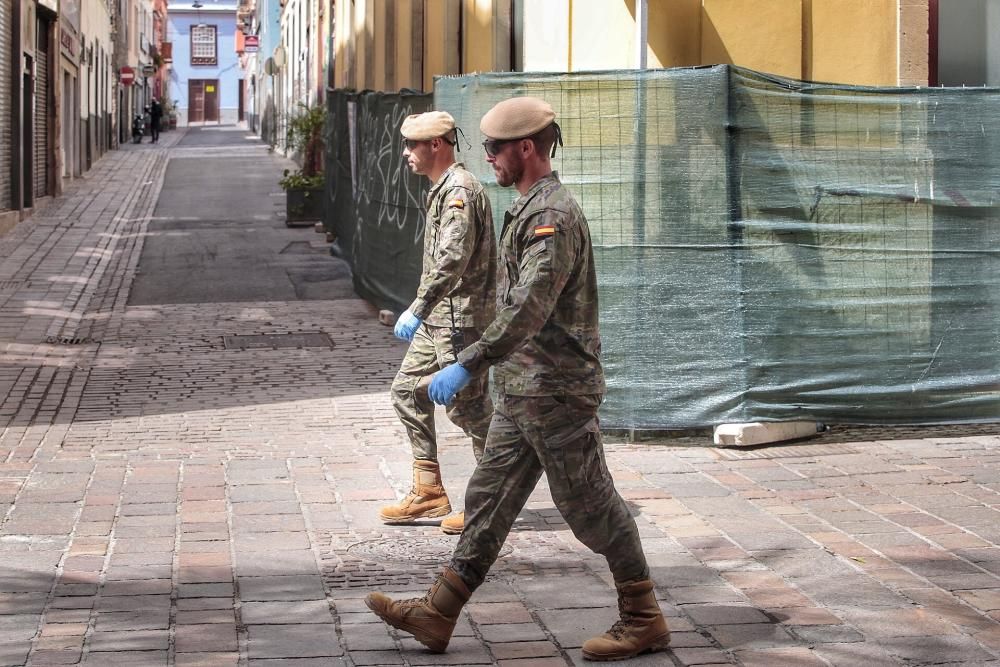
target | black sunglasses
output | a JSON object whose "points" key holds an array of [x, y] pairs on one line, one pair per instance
{"points": [[411, 143], [494, 146]]}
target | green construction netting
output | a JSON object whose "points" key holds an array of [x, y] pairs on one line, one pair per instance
{"points": [[770, 249], [374, 204]]}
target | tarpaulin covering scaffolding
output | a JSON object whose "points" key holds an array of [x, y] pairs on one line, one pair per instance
{"points": [[769, 249]]}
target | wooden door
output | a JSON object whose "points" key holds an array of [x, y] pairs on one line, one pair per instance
{"points": [[239, 111], [196, 101], [211, 100]]}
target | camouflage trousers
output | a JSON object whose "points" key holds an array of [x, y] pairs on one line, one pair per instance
{"points": [[430, 351], [559, 435]]}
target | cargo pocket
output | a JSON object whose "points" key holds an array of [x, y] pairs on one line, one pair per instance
{"points": [[577, 463]]}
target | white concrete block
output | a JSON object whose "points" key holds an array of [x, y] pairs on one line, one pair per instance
{"points": [[760, 433]]}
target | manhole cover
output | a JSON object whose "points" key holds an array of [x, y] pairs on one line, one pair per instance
{"points": [[420, 550], [274, 341]]}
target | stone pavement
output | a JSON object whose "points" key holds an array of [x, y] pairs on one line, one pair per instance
{"points": [[170, 501]]}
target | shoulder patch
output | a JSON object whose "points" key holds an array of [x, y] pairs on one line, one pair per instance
{"points": [[456, 203], [545, 230]]}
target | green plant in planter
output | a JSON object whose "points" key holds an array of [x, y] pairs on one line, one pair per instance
{"points": [[296, 180], [303, 187], [305, 139]]}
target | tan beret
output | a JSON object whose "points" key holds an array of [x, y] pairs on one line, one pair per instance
{"points": [[427, 126], [516, 118]]}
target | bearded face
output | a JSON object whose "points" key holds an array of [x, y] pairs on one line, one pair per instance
{"points": [[508, 165]]}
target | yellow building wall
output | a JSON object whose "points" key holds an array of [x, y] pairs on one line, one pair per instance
{"points": [[477, 39], [392, 44], [409, 46], [852, 41], [674, 33], [441, 39], [764, 35], [382, 70], [341, 44]]}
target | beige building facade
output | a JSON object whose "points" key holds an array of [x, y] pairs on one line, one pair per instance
{"points": [[97, 82]]}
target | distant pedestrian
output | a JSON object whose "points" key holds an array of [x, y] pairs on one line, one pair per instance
{"points": [[455, 300], [155, 117], [544, 347]]}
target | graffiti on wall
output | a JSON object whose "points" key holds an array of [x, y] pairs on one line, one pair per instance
{"points": [[383, 183]]}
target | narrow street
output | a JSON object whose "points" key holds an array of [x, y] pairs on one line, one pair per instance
{"points": [[197, 437]]}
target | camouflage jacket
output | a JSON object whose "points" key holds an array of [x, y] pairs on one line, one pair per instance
{"points": [[460, 254], [545, 339]]}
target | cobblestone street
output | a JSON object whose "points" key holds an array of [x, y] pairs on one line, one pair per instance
{"points": [[173, 497]]}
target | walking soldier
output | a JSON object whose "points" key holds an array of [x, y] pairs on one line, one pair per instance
{"points": [[456, 299]]}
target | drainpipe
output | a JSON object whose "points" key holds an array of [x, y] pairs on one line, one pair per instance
{"points": [[639, 175], [641, 39], [641, 32]]}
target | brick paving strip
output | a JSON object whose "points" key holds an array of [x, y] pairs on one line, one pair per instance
{"points": [[169, 501]]}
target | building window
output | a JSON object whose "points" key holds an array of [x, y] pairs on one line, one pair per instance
{"points": [[203, 45]]}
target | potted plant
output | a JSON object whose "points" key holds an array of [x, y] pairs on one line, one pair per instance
{"points": [[170, 111], [304, 186]]}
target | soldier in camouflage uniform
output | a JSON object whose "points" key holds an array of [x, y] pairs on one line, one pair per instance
{"points": [[456, 299], [544, 347]]}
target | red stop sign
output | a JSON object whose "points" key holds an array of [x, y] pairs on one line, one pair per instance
{"points": [[127, 75]]}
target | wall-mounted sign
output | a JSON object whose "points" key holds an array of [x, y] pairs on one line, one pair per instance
{"points": [[126, 75], [209, 89], [148, 70], [67, 42], [251, 44]]}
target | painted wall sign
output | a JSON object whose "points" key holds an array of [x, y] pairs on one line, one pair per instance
{"points": [[67, 41]]}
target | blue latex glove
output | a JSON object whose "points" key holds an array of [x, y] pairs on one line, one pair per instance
{"points": [[406, 326], [447, 382]]}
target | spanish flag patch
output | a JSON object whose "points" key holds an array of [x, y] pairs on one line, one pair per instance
{"points": [[456, 203], [545, 230]]}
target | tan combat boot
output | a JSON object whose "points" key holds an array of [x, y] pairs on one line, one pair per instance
{"points": [[430, 619], [425, 500], [454, 525], [641, 629]]}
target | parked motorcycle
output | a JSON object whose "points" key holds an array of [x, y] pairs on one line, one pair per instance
{"points": [[138, 127]]}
